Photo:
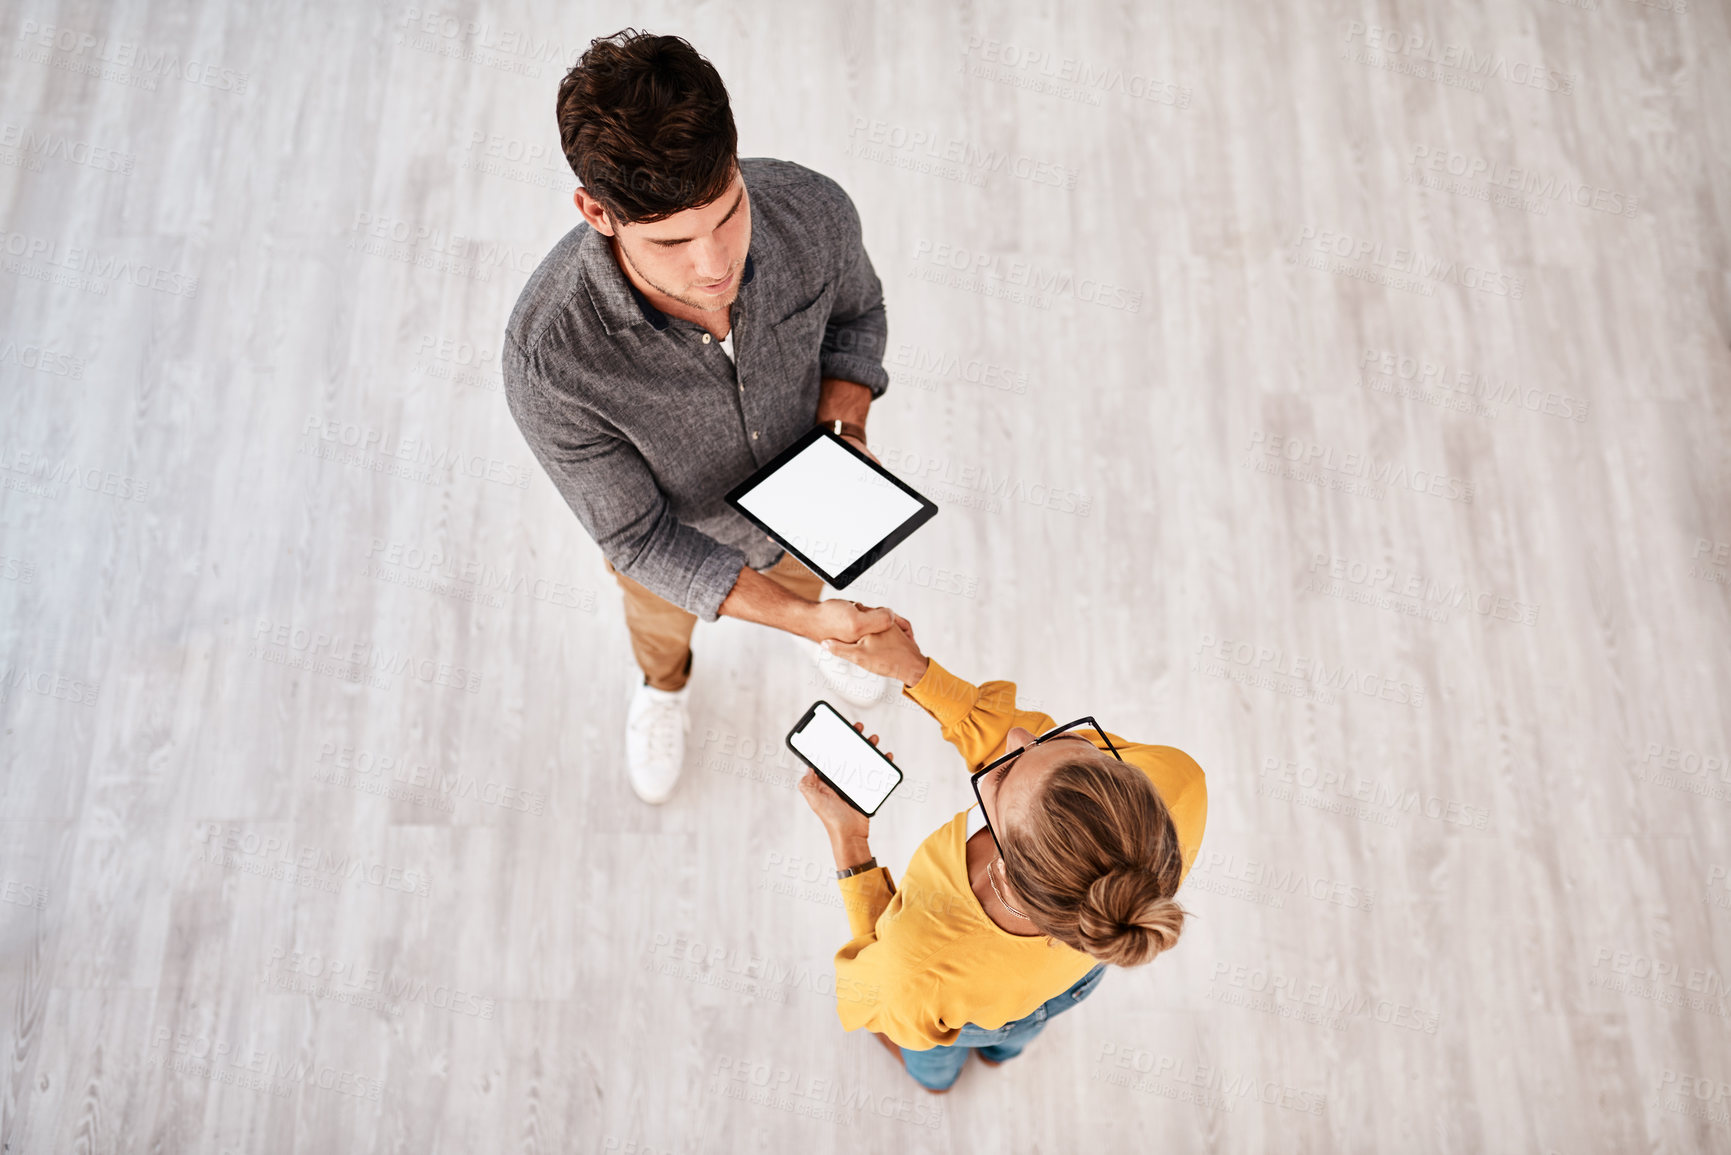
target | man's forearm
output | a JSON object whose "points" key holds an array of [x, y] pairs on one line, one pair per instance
{"points": [[755, 598], [846, 400]]}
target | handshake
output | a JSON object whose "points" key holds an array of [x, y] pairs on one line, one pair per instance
{"points": [[876, 639]]}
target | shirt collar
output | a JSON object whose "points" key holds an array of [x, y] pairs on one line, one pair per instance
{"points": [[616, 300]]}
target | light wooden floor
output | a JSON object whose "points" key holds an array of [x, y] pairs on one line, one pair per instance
{"points": [[1165, 283]]}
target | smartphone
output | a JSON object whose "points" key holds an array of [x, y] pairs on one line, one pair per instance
{"points": [[844, 758]]}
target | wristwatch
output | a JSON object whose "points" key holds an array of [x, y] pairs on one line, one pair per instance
{"points": [[868, 864], [845, 429]]}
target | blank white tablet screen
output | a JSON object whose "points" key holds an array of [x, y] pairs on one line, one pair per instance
{"points": [[829, 505], [846, 759]]}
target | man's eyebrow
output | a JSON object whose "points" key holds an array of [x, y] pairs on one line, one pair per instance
{"points": [[737, 201]]}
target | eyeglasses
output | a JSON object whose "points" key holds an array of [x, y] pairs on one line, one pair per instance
{"points": [[1077, 729]]}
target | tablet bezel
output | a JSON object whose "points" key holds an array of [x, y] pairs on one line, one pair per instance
{"points": [[928, 508]]}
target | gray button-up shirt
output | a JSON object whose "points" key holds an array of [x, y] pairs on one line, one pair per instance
{"points": [[644, 426]]}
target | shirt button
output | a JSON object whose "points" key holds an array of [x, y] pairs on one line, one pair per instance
{"points": [[754, 435], [706, 338]]}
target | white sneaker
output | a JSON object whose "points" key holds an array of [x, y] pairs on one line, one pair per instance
{"points": [[861, 687], [655, 729]]}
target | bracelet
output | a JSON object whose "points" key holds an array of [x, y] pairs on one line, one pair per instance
{"points": [[845, 429], [868, 864]]}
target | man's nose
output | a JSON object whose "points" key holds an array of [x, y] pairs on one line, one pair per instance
{"points": [[710, 259]]}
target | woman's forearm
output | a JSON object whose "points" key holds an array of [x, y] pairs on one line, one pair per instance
{"points": [[976, 719], [850, 850]]}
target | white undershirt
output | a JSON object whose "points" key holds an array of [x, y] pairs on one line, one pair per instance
{"points": [[976, 820], [727, 344]]}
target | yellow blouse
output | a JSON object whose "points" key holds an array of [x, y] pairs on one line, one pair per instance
{"points": [[925, 958]]}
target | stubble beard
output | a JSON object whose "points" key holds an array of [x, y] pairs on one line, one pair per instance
{"points": [[703, 305]]}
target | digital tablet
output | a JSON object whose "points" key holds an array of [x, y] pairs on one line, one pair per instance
{"points": [[831, 506]]}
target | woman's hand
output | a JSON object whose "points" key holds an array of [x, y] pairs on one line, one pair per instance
{"points": [[848, 828], [892, 653]]}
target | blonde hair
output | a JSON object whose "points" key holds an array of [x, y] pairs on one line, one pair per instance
{"points": [[1095, 859]]}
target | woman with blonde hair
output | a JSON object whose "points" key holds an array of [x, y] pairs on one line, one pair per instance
{"points": [[1009, 913]]}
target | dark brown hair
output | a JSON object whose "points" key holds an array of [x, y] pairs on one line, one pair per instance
{"points": [[1096, 860], [645, 122]]}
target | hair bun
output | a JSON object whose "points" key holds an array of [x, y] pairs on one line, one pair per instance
{"points": [[1126, 920]]}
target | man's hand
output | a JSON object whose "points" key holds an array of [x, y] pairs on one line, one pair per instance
{"points": [[861, 446], [891, 652], [846, 621]]}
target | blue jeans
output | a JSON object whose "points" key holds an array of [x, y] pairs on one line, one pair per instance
{"points": [[938, 1067]]}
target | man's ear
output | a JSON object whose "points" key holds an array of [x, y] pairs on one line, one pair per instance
{"points": [[594, 212]]}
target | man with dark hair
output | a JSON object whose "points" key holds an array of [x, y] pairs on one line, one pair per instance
{"points": [[706, 312]]}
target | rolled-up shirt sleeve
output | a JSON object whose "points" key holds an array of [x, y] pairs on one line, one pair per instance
{"points": [[610, 488], [858, 329]]}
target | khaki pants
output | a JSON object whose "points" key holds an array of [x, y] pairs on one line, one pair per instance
{"points": [[661, 631]]}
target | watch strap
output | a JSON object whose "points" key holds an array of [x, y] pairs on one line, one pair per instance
{"points": [[845, 429], [868, 864]]}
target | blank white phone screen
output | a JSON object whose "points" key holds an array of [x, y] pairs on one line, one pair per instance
{"points": [[829, 505], [846, 759]]}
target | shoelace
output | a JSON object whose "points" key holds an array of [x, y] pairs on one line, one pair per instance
{"points": [[663, 724]]}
